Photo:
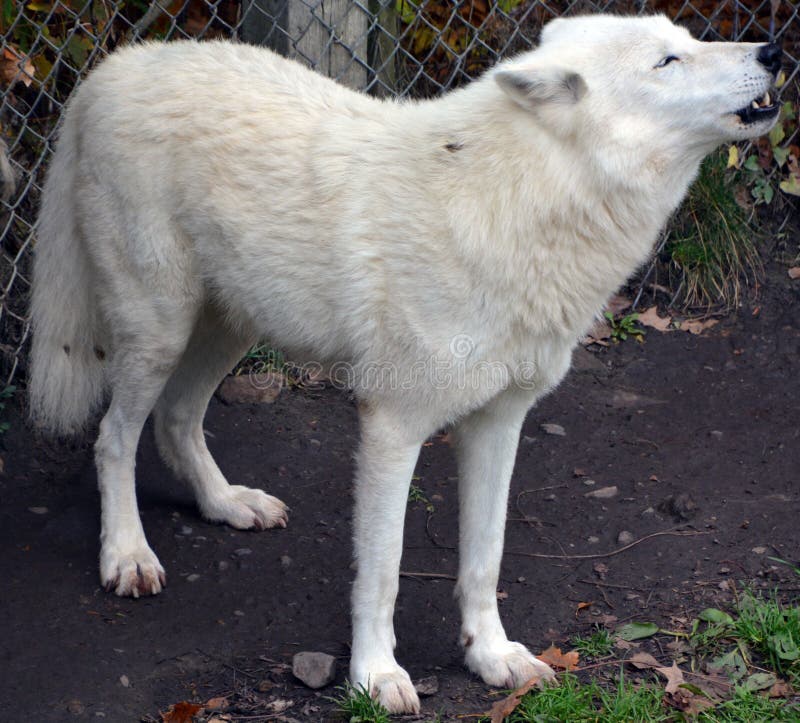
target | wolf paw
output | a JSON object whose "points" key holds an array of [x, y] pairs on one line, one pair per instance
{"points": [[505, 664], [393, 689], [246, 509], [131, 573]]}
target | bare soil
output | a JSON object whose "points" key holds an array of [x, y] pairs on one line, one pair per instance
{"points": [[700, 434]]}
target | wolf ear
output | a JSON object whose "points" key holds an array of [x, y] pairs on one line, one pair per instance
{"points": [[531, 87]]}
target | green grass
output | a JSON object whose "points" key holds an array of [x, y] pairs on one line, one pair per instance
{"points": [[600, 644], [710, 246], [356, 706]]}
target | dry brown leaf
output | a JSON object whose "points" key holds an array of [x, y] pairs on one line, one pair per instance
{"points": [[642, 660], [218, 703], [794, 272], [15, 67], [556, 659], [697, 326], [781, 689], [582, 606], [674, 676], [183, 712], [505, 707], [649, 317], [617, 303], [686, 701]]}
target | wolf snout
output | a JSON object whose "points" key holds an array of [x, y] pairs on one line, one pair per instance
{"points": [[769, 56]]}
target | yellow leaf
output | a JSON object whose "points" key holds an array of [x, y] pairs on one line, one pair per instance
{"points": [[733, 157]]}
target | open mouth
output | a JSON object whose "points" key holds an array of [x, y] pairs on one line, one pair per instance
{"points": [[762, 109]]}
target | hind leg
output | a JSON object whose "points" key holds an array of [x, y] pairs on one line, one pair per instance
{"points": [[212, 351], [141, 365]]}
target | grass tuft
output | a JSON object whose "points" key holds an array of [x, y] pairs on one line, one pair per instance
{"points": [[357, 706], [599, 644], [710, 245]]}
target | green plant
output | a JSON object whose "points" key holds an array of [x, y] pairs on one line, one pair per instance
{"points": [[624, 327], [416, 494], [772, 629], [6, 393], [599, 644], [710, 245], [357, 706]]}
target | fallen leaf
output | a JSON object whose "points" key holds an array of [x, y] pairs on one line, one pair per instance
{"points": [[554, 429], [218, 703], [618, 303], [794, 272], [759, 681], [556, 659], [684, 699], [674, 676], [649, 317], [697, 326], [582, 606], [182, 712], [637, 631], [15, 67], [505, 707], [781, 689], [643, 660]]}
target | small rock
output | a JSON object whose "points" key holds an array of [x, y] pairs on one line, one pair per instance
{"points": [[593, 540], [426, 687], [550, 497], [38, 510], [185, 530], [125, 681], [760, 550], [556, 429], [238, 613], [242, 552], [316, 670], [589, 482], [223, 565], [528, 440], [194, 577], [604, 493], [285, 561], [625, 537], [251, 388], [76, 707], [647, 512], [716, 434]]}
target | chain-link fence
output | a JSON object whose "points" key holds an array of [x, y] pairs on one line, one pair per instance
{"points": [[384, 47]]}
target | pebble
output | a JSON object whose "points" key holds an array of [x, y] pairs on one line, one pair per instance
{"points": [[716, 434], [550, 497], [193, 577], [185, 530], [38, 510], [555, 429], [427, 686], [604, 493], [589, 482], [285, 561], [593, 540], [242, 552], [625, 537], [223, 565], [125, 681], [238, 613], [760, 550], [315, 670]]}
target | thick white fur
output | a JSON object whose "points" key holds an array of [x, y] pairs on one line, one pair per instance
{"points": [[203, 196]]}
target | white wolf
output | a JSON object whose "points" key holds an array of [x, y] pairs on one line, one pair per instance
{"points": [[204, 196]]}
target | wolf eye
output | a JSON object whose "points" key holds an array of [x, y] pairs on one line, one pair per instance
{"points": [[666, 61]]}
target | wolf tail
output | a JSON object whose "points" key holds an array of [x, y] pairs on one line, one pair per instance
{"points": [[66, 381]]}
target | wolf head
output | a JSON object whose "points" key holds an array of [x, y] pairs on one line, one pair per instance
{"points": [[644, 82]]}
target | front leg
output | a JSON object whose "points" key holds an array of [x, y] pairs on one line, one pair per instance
{"points": [[486, 447], [385, 463]]}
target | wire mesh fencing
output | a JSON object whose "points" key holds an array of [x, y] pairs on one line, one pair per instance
{"points": [[390, 48]]}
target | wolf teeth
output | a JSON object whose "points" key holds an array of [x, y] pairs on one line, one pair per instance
{"points": [[767, 99]]}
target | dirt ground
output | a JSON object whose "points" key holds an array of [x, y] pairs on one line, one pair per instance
{"points": [[711, 421]]}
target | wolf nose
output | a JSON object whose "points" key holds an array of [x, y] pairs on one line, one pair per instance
{"points": [[769, 56]]}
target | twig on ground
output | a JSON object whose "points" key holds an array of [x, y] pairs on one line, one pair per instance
{"points": [[671, 533], [430, 575]]}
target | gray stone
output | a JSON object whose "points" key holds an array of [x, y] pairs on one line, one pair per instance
{"points": [[604, 493], [625, 538], [316, 670], [426, 687], [555, 429]]}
